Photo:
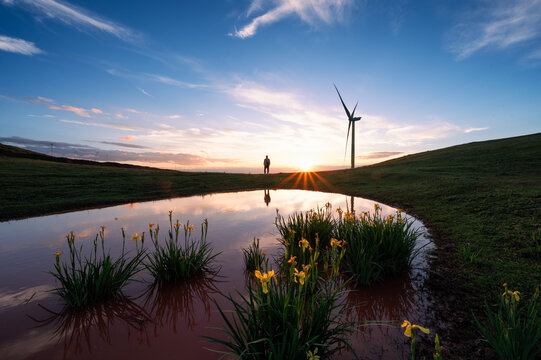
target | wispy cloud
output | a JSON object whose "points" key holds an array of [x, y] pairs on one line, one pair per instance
{"points": [[74, 16], [170, 81], [469, 130], [155, 78], [85, 152], [144, 92], [18, 46], [309, 11], [124, 127], [43, 143], [131, 146], [52, 105], [496, 24], [126, 138], [379, 155]]}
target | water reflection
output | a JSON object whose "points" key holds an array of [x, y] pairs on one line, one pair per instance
{"points": [[80, 330], [164, 320], [267, 197], [184, 301]]}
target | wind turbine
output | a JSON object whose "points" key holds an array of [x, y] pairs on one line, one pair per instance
{"points": [[351, 125]]}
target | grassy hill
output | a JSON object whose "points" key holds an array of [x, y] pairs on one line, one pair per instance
{"points": [[481, 202]]}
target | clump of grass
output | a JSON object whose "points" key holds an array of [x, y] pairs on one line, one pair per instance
{"points": [[176, 260], [514, 330], [87, 280], [292, 315], [469, 254], [534, 244], [311, 226], [253, 256], [377, 246]]}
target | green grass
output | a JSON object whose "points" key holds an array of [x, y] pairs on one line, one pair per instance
{"points": [[483, 197], [175, 261], [376, 246], [514, 329], [288, 314], [90, 279]]}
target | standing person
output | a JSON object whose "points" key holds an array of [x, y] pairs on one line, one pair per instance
{"points": [[266, 164]]}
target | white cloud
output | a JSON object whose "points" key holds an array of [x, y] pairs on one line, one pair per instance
{"points": [[52, 105], [310, 11], [75, 16], [18, 46], [500, 24], [170, 81], [469, 130], [143, 91], [124, 127]]}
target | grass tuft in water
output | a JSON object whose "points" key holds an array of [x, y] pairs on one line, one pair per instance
{"points": [[292, 315], [377, 246], [176, 260], [306, 228], [87, 280]]}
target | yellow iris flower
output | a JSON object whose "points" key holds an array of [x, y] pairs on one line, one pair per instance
{"points": [[136, 237], [300, 275], [58, 253], [338, 243], [264, 278], [410, 327], [291, 260], [312, 355], [304, 244]]}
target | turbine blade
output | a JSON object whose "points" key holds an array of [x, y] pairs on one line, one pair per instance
{"points": [[347, 138], [344, 105], [355, 108]]}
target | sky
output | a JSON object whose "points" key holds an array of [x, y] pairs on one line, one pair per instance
{"points": [[217, 85]]}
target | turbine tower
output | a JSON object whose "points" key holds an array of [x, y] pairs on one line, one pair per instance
{"points": [[351, 125]]}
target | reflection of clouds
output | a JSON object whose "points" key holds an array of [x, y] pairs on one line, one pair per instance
{"points": [[9, 299], [80, 331], [187, 300], [27, 344]]}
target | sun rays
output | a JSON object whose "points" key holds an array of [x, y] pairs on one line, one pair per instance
{"points": [[306, 180]]}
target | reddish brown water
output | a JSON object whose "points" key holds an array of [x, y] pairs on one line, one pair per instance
{"points": [[169, 323]]}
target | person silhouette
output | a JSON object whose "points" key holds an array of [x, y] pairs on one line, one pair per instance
{"points": [[267, 197], [266, 164]]}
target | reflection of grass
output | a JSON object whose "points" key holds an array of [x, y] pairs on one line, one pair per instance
{"points": [[86, 280], [77, 328], [175, 261], [253, 256], [166, 303]]}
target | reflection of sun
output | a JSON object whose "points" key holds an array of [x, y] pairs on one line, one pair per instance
{"points": [[306, 166]]}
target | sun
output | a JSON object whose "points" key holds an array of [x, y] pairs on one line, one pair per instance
{"points": [[306, 166]]}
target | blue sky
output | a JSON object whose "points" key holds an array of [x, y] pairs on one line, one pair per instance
{"points": [[217, 85]]}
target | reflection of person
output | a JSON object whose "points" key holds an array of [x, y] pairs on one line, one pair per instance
{"points": [[267, 196], [266, 164]]}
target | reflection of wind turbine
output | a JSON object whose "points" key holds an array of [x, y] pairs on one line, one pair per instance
{"points": [[351, 125]]}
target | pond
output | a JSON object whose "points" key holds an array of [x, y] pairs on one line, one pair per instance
{"points": [[169, 324]]}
